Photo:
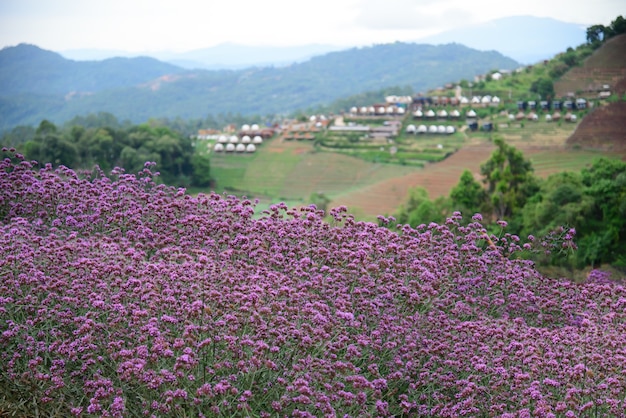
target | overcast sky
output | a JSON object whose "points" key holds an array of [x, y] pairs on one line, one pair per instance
{"points": [[183, 25]]}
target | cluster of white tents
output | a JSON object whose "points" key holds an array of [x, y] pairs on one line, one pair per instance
{"points": [[378, 110], [234, 144], [569, 117], [247, 127], [442, 114], [430, 129]]}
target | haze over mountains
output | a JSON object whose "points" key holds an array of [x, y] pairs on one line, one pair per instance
{"points": [[36, 84], [526, 39]]}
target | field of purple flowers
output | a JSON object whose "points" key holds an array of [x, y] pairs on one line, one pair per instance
{"points": [[121, 297]]}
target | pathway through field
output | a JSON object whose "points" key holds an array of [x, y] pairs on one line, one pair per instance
{"points": [[384, 198]]}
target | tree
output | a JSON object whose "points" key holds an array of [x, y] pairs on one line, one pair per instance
{"points": [[509, 179], [560, 201], [544, 87], [596, 35], [419, 209], [603, 231], [569, 57], [49, 146], [468, 195], [618, 26], [320, 200], [201, 176]]}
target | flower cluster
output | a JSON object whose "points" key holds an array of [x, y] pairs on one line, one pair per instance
{"points": [[120, 297]]}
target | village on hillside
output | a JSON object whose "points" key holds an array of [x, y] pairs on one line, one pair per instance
{"points": [[412, 129]]}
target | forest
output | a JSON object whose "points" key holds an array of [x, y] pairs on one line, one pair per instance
{"points": [[590, 204], [120, 145]]}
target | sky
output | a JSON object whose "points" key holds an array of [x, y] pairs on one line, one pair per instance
{"points": [[184, 25]]}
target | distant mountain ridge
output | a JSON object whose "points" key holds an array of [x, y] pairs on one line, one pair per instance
{"points": [[225, 56], [37, 84], [29, 69], [526, 39]]}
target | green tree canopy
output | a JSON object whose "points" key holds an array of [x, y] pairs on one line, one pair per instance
{"points": [[509, 179], [468, 196]]}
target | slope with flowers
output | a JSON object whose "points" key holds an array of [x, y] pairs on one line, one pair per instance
{"points": [[123, 298]]}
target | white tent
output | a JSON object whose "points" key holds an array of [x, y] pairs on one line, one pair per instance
{"points": [[233, 139], [230, 147], [218, 147], [240, 148], [250, 148], [245, 139], [257, 140], [422, 129]]}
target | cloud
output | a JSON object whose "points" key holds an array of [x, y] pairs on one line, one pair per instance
{"points": [[410, 14]]}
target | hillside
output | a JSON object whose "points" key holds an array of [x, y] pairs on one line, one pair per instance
{"points": [[27, 69], [603, 128], [607, 65], [64, 89]]}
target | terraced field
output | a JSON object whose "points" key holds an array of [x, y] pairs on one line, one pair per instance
{"points": [[291, 170], [607, 65]]}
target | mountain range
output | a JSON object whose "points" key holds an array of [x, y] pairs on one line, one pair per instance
{"points": [[526, 39], [36, 84]]}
